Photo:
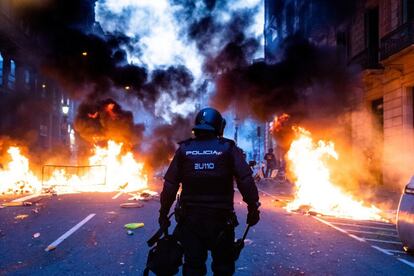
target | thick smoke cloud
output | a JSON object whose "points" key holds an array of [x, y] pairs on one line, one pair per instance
{"points": [[164, 139], [307, 76], [106, 120]]}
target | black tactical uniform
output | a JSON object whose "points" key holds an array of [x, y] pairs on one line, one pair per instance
{"points": [[206, 167]]}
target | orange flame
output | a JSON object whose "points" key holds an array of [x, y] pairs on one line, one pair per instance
{"points": [[307, 161], [93, 115], [110, 110], [278, 122], [114, 171]]}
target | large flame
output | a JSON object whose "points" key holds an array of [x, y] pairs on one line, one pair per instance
{"points": [[109, 169], [315, 190], [16, 176]]}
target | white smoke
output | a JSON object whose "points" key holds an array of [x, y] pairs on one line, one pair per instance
{"points": [[158, 38]]}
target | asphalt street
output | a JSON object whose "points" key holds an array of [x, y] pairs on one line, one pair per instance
{"points": [[95, 241]]}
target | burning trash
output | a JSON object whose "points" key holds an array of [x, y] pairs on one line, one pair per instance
{"points": [[315, 190], [110, 168]]}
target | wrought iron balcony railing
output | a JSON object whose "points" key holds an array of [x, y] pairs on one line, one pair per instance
{"points": [[397, 40], [367, 59]]}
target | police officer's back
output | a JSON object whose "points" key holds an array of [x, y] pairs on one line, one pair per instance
{"points": [[206, 166]]}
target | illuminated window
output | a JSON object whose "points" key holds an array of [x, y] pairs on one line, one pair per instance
{"points": [[12, 74], [1, 69]]}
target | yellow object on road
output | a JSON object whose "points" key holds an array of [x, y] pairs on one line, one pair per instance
{"points": [[134, 225]]}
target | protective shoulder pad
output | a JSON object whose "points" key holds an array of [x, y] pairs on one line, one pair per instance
{"points": [[225, 140], [186, 142]]}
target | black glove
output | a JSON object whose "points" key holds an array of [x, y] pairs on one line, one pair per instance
{"points": [[163, 221], [253, 215]]}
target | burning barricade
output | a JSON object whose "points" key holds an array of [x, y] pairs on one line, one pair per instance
{"points": [[109, 169]]}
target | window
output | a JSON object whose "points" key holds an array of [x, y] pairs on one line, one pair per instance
{"points": [[377, 107], [12, 75], [1, 69], [372, 35], [27, 79], [407, 7]]}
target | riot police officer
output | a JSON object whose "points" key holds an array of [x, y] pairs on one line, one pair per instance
{"points": [[206, 167]]}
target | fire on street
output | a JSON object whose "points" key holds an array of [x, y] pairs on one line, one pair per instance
{"points": [[85, 234]]}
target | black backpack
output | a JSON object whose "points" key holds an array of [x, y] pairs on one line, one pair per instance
{"points": [[166, 257]]}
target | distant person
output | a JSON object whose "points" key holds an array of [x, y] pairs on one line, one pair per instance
{"points": [[270, 163]]}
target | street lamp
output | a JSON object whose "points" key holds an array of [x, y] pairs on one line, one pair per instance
{"points": [[65, 109]]}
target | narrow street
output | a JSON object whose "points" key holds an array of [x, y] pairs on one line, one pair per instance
{"points": [[88, 232]]}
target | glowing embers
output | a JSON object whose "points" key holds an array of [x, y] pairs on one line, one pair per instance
{"points": [[110, 168], [315, 191], [278, 122]]}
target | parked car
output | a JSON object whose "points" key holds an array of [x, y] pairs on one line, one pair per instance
{"points": [[405, 217]]}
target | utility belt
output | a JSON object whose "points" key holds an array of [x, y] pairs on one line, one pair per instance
{"points": [[224, 212]]}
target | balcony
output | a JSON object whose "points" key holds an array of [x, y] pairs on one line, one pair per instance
{"points": [[367, 59], [397, 40]]}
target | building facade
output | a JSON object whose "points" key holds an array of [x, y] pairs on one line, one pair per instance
{"points": [[378, 37], [381, 40], [33, 107]]}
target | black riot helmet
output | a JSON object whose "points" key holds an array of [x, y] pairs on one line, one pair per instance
{"points": [[223, 125], [210, 120]]}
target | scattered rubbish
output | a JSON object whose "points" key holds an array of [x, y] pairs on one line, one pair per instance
{"points": [[270, 253], [134, 225], [17, 204], [121, 263], [35, 210], [242, 268], [111, 213], [129, 232], [36, 235], [131, 205], [303, 209], [145, 195], [23, 216], [50, 248], [289, 234]]}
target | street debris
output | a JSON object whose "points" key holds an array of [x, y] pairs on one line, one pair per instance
{"points": [[144, 195], [36, 235], [130, 233], [17, 204], [21, 217], [134, 225], [131, 205]]}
